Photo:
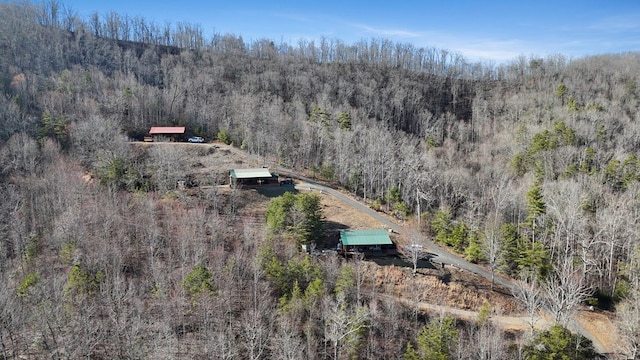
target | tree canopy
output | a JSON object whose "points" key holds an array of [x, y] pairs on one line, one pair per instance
{"points": [[558, 343], [299, 215]]}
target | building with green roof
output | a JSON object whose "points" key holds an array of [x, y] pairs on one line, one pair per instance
{"points": [[255, 176], [370, 242]]}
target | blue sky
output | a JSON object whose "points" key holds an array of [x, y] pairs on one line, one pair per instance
{"points": [[495, 31]]}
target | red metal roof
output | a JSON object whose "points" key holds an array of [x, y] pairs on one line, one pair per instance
{"points": [[166, 130]]}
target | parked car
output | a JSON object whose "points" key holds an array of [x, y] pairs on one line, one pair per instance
{"points": [[196, 139], [287, 181]]}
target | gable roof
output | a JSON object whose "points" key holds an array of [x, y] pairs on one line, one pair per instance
{"points": [[365, 237], [250, 173], [166, 130]]}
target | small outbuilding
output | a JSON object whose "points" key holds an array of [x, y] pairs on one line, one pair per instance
{"points": [[372, 242], [256, 176], [166, 133]]}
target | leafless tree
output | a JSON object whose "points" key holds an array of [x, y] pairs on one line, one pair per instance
{"points": [[258, 318], [20, 155], [286, 343], [528, 292], [564, 291], [612, 231], [343, 322], [628, 312], [359, 272], [98, 138], [413, 253], [167, 166], [492, 244], [628, 321], [483, 342]]}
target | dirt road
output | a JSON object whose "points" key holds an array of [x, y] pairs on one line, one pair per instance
{"points": [[514, 323]]}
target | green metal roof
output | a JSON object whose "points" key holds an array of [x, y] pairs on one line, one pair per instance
{"points": [[250, 173], [364, 237]]}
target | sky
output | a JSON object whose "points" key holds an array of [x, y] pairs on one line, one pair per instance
{"points": [[493, 31]]}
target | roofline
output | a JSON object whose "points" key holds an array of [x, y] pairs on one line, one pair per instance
{"points": [[363, 237], [167, 130], [262, 173]]}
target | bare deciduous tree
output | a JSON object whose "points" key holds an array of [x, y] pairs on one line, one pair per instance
{"points": [[258, 318], [286, 343], [167, 166], [342, 323], [628, 311], [492, 244], [529, 293], [564, 291], [412, 253]]}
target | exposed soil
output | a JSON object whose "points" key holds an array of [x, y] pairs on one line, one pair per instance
{"points": [[601, 326]]}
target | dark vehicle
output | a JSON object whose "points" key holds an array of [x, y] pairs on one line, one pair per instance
{"points": [[196, 139], [287, 181]]}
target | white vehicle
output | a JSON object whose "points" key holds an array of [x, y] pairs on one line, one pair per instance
{"points": [[196, 139]]}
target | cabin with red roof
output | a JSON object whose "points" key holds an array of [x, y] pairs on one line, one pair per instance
{"points": [[165, 133]]}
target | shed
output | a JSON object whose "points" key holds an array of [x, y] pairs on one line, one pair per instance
{"points": [[369, 242], [255, 176], [160, 133]]}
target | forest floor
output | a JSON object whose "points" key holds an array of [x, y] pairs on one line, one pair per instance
{"points": [[433, 289]]}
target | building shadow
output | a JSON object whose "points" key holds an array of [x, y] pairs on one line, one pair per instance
{"points": [[330, 235], [273, 191], [399, 261]]}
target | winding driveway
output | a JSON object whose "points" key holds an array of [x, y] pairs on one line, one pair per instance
{"points": [[442, 256]]}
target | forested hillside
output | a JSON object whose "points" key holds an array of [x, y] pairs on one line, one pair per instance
{"points": [[530, 168]]}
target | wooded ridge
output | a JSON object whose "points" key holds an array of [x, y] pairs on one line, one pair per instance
{"points": [[529, 168]]}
